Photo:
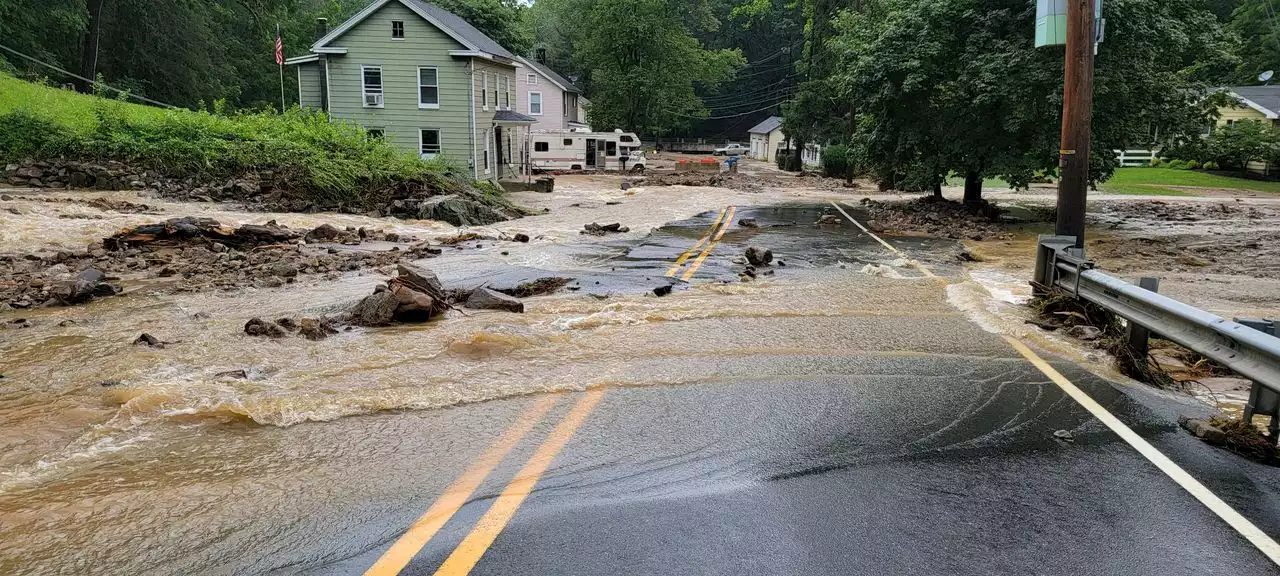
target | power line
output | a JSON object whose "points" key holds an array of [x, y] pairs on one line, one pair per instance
{"points": [[728, 115], [93, 82], [757, 91], [781, 94]]}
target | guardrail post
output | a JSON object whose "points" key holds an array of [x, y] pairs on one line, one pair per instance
{"points": [[1138, 336], [1263, 400], [1047, 249]]}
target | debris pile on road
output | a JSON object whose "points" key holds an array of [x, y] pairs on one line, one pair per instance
{"points": [[594, 229], [936, 217], [539, 287], [742, 181], [1235, 435], [414, 295], [199, 254]]}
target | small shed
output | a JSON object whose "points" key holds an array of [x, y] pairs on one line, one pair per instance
{"points": [[767, 138]]}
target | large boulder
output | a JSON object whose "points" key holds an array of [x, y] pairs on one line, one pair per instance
{"points": [[260, 327], [82, 287], [419, 278], [458, 210], [759, 256], [486, 299], [376, 309]]}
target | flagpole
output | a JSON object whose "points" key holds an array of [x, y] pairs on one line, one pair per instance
{"points": [[278, 39]]}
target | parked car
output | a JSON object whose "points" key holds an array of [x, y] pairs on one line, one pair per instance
{"points": [[733, 149]]}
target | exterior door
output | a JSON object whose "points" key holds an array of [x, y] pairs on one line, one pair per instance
{"points": [[601, 159], [591, 153], [499, 154]]}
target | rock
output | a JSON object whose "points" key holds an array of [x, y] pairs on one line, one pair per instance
{"points": [[1084, 332], [662, 290], [458, 211], [260, 327], [748, 223], [485, 299], [316, 328], [759, 256], [1203, 430], [81, 288], [828, 220], [376, 309], [412, 305], [5, 197], [240, 374], [149, 340], [284, 270], [110, 383], [323, 233], [1064, 435], [218, 247], [875, 226], [521, 237], [57, 272], [595, 229], [419, 278], [781, 263], [287, 323]]}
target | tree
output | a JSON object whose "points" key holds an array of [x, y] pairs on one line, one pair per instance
{"points": [[646, 66], [956, 86]]}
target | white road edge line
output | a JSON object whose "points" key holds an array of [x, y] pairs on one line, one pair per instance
{"points": [[1252, 533], [918, 265]]}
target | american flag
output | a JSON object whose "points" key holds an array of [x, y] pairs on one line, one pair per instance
{"points": [[279, 49]]}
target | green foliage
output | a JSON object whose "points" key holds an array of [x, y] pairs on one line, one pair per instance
{"points": [[325, 161], [1210, 165], [837, 161], [1235, 145], [783, 159], [1193, 165], [1177, 164], [1155, 162]]}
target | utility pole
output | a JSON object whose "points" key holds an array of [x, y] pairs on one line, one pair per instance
{"points": [[1077, 117]]}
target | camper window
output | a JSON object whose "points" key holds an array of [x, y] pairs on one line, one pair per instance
{"points": [[541, 146], [568, 141], [610, 149]]}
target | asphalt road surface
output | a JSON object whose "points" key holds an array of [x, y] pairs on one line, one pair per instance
{"points": [[877, 439]]}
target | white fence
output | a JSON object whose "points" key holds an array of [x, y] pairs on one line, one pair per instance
{"points": [[1136, 157]]}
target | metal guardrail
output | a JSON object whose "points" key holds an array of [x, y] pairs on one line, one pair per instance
{"points": [[1247, 350]]}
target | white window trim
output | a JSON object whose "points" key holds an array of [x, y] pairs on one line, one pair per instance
{"points": [[506, 95], [382, 87], [495, 92], [541, 106], [421, 104], [531, 79], [422, 154], [484, 92], [402, 30]]}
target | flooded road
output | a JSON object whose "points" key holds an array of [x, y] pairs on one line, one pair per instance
{"points": [[328, 450]]}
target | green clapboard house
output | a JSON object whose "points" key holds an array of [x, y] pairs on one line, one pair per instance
{"points": [[424, 79]]}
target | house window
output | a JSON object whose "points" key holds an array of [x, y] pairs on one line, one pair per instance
{"points": [[371, 86], [535, 103], [532, 79], [610, 148], [568, 141], [429, 142], [428, 88], [541, 146], [397, 30], [376, 134], [495, 89], [488, 145]]}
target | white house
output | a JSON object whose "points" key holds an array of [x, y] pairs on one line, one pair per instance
{"points": [[549, 97], [767, 139]]}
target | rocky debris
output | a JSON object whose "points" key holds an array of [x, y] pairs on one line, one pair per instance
{"points": [[415, 295], [110, 383], [459, 211], [16, 323], [759, 256], [198, 254], [485, 299], [1204, 430], [260, 327], [316, 328], [943, 218], [148, 340], [594, 229], [662, 290], [520, 237], [748, 223], [538, 287], [323, 233], [460, 238], [81, 288], [1084, 332], [828, 220], [287, 323], [1064, 435]]}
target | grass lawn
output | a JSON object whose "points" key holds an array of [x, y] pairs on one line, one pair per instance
{"points": [[1163, 181], [66, 107]]}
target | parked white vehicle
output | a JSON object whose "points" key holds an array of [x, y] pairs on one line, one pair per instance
{"points": [[574, 150], [733, 149]]}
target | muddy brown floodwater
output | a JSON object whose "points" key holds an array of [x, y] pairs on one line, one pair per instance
{"points": [[79, 461]]}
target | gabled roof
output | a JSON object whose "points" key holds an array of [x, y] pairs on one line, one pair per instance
{"points": [[475, 41], [1264, 99], [513, 117], [551, 75], [769, 125]]}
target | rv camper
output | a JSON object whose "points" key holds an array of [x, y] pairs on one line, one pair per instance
{"points": [[574, 150]]}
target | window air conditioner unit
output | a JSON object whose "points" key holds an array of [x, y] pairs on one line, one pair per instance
{"points": [[372, 99]]}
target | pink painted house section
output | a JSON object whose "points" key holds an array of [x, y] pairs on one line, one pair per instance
{"points": [[550, 98]]}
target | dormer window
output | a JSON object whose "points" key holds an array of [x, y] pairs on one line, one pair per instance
{"points": [[397, 30]]}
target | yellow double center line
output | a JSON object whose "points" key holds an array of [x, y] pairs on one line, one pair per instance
{"points": [[468, 553], [718, 227]]}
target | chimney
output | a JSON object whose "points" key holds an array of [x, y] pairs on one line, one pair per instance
{"points": [[322, 27]]}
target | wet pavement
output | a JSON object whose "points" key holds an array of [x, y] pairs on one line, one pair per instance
{"points": [[821, 420]]}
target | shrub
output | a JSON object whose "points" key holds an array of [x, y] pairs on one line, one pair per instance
{"points": [[836, 161], [25, 134], [783, 159], [1193, 165], [1177, 164], [1155, 162], [1210, 165]]}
